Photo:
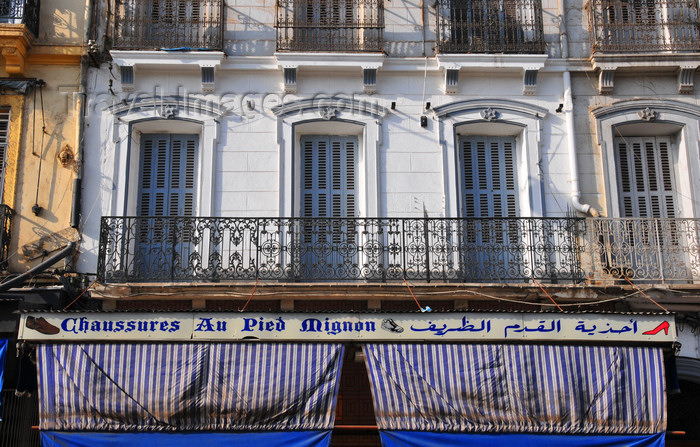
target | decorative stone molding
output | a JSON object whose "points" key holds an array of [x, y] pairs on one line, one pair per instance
{"points": [[606, 81], [208, 79], [686, 80], [626, 107], [290, 79], [648, 114], [206, 61], [168, 111], [369, 80], [127, 77], [343, 106], [328, 113], [162, 106], [451, 81], [496, 104], [368, 63], [530, 64], [490, 114], [530, 82], [15, 42]]}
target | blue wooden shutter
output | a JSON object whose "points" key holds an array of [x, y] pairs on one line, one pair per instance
{"points": [[168, 175], [489, 181], [646, 180], [328, 186]]}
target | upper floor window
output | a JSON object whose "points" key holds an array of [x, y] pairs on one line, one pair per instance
{"points": [[645, 177], [633, 26], [168, 24], [487, 26], [330, 25]]}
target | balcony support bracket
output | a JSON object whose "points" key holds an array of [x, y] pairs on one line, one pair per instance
{"points": [[606, 81], [15, 42], [290, 79], [451, 81], [530, 81], [369, 80], [686, 78]]}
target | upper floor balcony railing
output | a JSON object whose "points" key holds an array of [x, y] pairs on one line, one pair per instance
{"points": [[21, 12], [486, 250], [487, 26], [330, 25], [143, 249], [168, 24], [641, 26], [6, 214]]}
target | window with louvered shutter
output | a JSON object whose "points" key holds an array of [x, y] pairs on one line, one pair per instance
{"points": [[328, 185], [488, 181], [645, 177], [168, 175], [4, 137]]}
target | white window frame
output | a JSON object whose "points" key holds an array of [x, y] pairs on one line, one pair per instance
{"points": [[129, 123], [494, 117], [349, 117], [658, 118]]}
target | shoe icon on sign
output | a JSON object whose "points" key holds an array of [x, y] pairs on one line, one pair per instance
{"points": [[42, 326], [662, 327], [391, 326]]}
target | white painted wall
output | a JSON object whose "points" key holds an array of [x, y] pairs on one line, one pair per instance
{"points": [[250, 177]]}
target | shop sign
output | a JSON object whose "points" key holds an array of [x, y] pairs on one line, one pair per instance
{"points": [[398, 327]]}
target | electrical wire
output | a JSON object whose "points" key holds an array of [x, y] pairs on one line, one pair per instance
{"points": [[41, 148], [251, 295]]}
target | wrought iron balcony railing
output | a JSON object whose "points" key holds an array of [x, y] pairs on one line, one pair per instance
{"points": [[638, 26], [330, 25], [168, 24], [487, 26], [644, 250], [21, 12], [143, 249], [6, 214], [499, 250]]}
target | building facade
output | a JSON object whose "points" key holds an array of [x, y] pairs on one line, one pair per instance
{"points": [[368, 156]]}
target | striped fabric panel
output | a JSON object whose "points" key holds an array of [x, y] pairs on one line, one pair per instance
{"points": [[188, 387], [518, 388]]}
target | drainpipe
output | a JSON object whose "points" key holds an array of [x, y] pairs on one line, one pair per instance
{"points": [[569, 120], [16, 281], [82, 97]]}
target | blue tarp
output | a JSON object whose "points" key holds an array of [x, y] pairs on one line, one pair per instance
{"points": [[3, 352], [188, 387], [430, 439], [317, 438], [490, 388]]}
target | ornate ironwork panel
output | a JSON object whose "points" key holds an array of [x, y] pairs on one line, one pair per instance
{"points": [[21, 11], [330, 25], [487, 26], [168, 24], [634, 26], [6, 214], [644, 250], [143, 249]]}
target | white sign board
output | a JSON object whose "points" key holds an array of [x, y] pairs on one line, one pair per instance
{"points": [[396, 327]]}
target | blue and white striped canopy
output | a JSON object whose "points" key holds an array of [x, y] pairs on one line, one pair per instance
{"points": [[188, 387], [518, 388]]}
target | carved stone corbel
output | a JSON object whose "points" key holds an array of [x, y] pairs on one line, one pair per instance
{"points": [[15, 41]]}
